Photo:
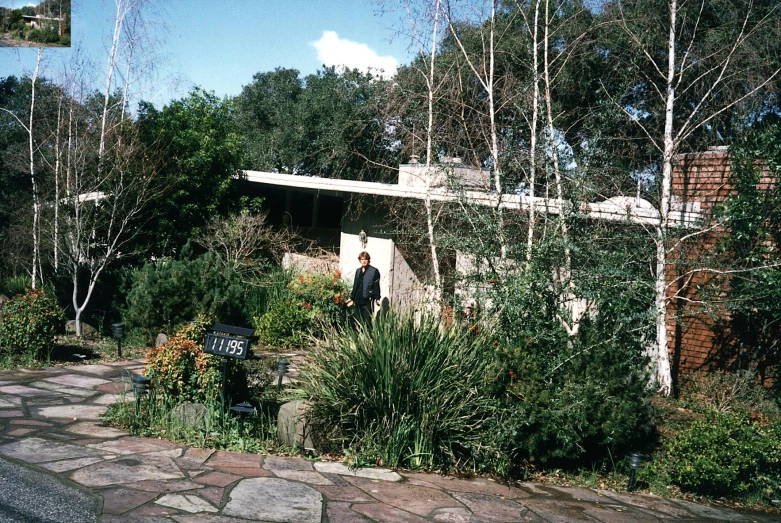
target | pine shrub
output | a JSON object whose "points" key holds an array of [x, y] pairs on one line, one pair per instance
{"points": [[167, 293]]}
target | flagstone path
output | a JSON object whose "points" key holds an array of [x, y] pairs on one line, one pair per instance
{"points": [[50, 423]]}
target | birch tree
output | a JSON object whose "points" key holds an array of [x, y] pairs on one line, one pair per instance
{"points": [[110, 178], [483, 69], [711, 66], [29, 126]]}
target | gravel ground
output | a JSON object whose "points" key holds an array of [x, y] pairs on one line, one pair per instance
{"points": [[28, 496]]}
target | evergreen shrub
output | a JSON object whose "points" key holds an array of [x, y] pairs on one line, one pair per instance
{"points": [[167, 292], [29, 324], [283, 326], [571, 400], [43, 36], [726, 454]]}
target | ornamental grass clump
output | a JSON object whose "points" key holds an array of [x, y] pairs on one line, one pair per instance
{"points": [[407, 392]]}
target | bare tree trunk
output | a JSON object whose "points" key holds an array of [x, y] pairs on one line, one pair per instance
{"points": [[57, 164], [123, 6], [662, 356], [36, 197], [429, 138], [533, 137], [567, 284], [487, 81]]}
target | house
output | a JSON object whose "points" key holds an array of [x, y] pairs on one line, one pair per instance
{"points": [[45, 22], [323, 209]]}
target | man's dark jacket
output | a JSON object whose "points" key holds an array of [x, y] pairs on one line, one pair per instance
{"points": [[371, 286]]}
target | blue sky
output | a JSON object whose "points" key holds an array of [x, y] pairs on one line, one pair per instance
{"points": [[220, 44]]}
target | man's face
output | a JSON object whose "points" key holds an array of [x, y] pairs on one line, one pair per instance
{"points": [[364, 262]]}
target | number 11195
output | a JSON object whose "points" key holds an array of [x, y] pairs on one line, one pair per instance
{"points": [[226, 346]]}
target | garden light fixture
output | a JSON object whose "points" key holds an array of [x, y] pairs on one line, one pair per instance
{"points": [[635, 459], [117, 330], [281, 370], [140, 388], [244, 408]]}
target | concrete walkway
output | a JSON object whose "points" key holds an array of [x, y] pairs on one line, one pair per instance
{"points": [[49, 422]]}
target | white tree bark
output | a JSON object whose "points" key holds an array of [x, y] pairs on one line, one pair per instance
{"points": [[487, 80], [36, 232], [429, 140], [717, 68], [533, 137]]}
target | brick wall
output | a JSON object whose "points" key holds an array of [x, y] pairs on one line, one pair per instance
{"points": [[697, 335]]}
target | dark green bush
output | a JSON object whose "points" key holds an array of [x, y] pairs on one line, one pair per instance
{"points": [[44, 36], [593, 404], [168, 292], [30, 321], [408, 392], [726, 454], [571, 400]]}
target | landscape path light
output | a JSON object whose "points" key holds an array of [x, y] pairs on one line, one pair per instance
{"points": [[635, 459], [118, 330], [243, 409], [140, 388], [281, 370]]}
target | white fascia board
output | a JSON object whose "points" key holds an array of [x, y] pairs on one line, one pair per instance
{"points": [[606, 210]]}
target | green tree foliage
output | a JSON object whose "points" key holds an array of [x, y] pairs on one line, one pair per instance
{"points": [[329, 124], [197, 137]]}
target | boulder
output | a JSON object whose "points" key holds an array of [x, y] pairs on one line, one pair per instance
{"points": [[294, 424], [87, 330], [161, 340], [191, 414]]}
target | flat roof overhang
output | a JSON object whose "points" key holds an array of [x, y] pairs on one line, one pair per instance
{"points": [[619, 208]]}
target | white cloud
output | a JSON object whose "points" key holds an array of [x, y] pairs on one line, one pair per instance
{"points": [[340, 52]]}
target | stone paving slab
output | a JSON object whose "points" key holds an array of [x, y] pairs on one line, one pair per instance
{"points": [[50, 422]]}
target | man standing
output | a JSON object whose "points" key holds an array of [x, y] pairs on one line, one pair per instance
{"points": [[366, 289]]}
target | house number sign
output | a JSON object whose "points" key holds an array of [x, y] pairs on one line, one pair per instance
{"points": [[228, 346]]}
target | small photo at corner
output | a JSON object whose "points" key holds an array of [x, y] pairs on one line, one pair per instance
{"points": [[35, 23]]}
